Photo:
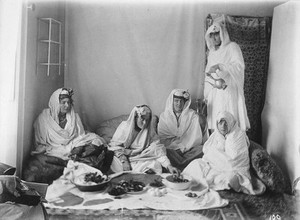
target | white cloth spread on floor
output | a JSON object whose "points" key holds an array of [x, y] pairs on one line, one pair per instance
{"points": [[172, 200]]}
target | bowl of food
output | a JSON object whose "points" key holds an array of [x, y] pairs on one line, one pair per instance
{"points": [[89, 182], [181, 182]]}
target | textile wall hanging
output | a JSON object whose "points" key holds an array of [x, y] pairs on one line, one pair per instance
{"points": [[253, 36]]}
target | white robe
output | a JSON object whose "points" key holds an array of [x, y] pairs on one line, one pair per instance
{"points": [[147, 151], [53, 140], [230, 59], [183, 134], [226, 163]]}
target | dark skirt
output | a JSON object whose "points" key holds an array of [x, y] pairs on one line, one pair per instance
{"points": [[181, 160]]}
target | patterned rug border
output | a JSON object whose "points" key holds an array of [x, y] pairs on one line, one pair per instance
{"points": [[230, 212]]}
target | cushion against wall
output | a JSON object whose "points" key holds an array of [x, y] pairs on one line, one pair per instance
{"points": [[266, 169], [107, 128], [6, 169]]}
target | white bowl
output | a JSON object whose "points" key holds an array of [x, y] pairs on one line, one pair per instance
{"points": [[84, 186], [177, 185]]}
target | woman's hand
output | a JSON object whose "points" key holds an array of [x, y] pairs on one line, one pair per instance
{"points": [[125, 163], [213, 68], [127, 152], [173, 170]]}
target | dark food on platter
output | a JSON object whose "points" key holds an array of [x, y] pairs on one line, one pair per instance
{"points": [[93, 177], [192, 195], [157, 183], [117, 191], [125, 186], [178, 179]]}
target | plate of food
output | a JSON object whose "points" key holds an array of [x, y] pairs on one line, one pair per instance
{"points": [[129, 187], [92, 181], [117, 191], [181, 182], [133, 186]]}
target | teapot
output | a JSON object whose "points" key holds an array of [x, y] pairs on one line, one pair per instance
{"points": [[218, 83]]}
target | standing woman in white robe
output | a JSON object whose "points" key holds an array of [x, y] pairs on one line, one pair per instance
{"points": [[225, 61], [225, 163]]}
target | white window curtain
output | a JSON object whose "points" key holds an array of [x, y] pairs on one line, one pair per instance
{"points": [[10, 26]]}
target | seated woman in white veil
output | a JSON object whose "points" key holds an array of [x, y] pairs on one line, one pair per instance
{"points": [[225, 163], [58, 129], [136, 145], [59, 136]]}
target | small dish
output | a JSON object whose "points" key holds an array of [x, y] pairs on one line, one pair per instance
{"points": [[171, 183], [89, 186]]}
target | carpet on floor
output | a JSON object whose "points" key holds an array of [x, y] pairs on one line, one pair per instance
{"points": [[231, 212], [270, 205]]}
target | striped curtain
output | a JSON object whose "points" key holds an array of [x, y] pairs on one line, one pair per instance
{"points": [[253, 36]]}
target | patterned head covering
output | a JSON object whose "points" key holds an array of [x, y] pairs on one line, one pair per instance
{"points": [[143, 110], [182, 94], [126, 133], [66, 93], [54, 101]]}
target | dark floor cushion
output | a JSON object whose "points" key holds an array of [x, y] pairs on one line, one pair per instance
{"points": [[43, 169], [266, 169]]}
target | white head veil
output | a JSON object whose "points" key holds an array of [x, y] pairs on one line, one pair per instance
{"points": [[54, 105], [229, 118], [178, 92], [126, 133], [217, 27]]}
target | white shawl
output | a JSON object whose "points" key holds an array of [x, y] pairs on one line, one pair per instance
{"points": [[182, 134], [144, 144], [53, 140], [229, 156]]}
